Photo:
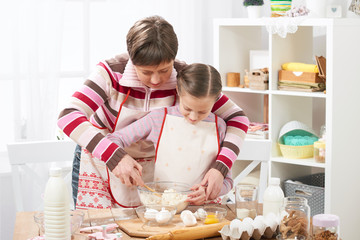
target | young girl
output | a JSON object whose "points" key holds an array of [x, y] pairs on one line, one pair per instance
{"points": [[187, 136]]}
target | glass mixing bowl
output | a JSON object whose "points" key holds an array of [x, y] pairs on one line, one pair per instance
{"points": [[166, 193]]}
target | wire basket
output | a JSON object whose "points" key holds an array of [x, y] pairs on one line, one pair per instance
{"points": [[312, 187]]}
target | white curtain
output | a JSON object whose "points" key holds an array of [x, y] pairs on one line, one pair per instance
{"points": [[39, 59], [37, 34], [37, 47], [37, 50]]}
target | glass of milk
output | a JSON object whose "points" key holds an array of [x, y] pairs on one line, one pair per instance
{"points": [[246, 200]]}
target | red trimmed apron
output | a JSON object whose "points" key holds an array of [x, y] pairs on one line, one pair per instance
{"points": [[100, 188], [193, 149]]}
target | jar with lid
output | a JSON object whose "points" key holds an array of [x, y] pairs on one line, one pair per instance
{"points": [[295, 222], [325, 227], [323, 133], [319, 151]]}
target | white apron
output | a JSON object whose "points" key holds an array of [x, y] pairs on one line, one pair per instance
{"points": [[193, 149], [95, 190]]}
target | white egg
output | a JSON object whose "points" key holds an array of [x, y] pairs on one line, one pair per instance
{"points": [[260, 218], [260, 225], [235, 224], [271, 223], [189, 220], [150, 214], [163, 216], [185, 212], [248, 225], [236, 229]]}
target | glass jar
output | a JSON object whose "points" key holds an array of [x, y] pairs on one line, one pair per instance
{"points": [[325, 226], [319, 151], [323, 133], [295, 221]]}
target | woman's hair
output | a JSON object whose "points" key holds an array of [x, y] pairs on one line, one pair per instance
{"points": [[199, 80], [151, 41]]}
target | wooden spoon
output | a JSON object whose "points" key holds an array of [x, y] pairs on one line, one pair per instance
{"points": [[152, 190]]}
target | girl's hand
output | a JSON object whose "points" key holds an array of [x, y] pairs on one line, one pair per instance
{"points": [[214, 181], [198, 196], [129, 171]]}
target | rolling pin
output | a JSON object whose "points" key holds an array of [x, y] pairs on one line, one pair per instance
{"points": [[189, 233]]}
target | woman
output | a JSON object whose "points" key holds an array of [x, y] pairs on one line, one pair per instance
{"points": [[123, 90]]}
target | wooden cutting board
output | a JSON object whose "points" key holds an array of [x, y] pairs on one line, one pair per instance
{"points": [[136, 228]]}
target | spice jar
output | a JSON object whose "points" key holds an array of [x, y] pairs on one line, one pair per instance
{"points": [[319, 151], [296, 218], [325, 227]]}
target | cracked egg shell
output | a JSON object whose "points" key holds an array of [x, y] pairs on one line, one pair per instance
{"points": [[188, 218]]}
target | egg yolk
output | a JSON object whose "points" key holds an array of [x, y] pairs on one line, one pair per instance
{"points": [[211, 219]]}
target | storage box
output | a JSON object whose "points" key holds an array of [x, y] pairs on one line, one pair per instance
{"points": [[259, 79], [299, 76], [297, 152], [312, 187]]}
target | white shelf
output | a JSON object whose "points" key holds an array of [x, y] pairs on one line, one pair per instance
{"points": [[275, 92], [335, 39], [300, 94], [309, 22], [244, 90], [250, 146], [310, 162]]}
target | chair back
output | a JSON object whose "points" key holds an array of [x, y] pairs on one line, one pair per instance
{"points": [[30, 163], [258, 152]]}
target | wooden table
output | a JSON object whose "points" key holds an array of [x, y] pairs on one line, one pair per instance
{"points": [[25, 226]]}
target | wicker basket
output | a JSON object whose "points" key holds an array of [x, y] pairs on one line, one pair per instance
{"points": [[297, 152]]}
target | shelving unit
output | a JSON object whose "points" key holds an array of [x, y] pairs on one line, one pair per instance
{"points": [[337, 40]]}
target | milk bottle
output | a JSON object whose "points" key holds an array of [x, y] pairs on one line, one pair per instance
{"points": [[273, 197], [56, 207]]}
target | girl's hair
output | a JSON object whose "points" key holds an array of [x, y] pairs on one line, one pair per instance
{"points": [[151, 41], [199, 80]]}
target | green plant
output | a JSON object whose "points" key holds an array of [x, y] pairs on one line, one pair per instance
{"points": [[253, 2]]}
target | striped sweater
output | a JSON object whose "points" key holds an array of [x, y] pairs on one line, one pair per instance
{"points": [[93, 111], [149, 128]]}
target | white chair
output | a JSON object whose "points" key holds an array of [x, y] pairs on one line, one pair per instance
{"points": [[258, 151], [30, 163]]}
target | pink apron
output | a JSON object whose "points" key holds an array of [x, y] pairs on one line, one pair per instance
{"points": [[193, 149], [99, 187]]}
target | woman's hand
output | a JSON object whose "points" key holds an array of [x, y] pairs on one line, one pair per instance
{"points": [[198, 196], [129, 171], [213, 179]]}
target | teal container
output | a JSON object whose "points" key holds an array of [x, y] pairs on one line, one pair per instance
{"points": [[279, 7]]}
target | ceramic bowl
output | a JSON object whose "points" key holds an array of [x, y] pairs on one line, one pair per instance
{"points": [[76, 219], [156, 215], [166, 193]]}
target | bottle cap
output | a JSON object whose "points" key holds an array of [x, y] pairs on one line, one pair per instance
{"points": [[274, 181], [326, 220], [55, 172]]}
